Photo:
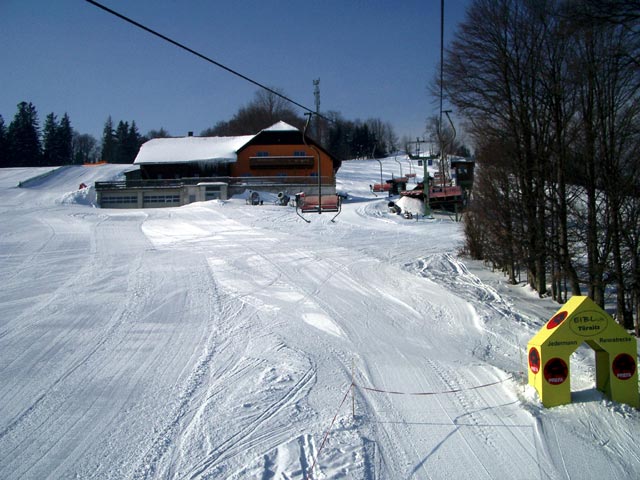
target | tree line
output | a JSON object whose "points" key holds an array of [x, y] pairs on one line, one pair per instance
{"points": [[550, 93], [343, 138], [24, 144], [122, 143]]}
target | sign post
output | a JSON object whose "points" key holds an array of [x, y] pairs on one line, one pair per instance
{"points": [[581, 320]]}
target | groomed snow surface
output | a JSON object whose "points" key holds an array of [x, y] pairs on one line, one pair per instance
{"points": [[218, 340]]}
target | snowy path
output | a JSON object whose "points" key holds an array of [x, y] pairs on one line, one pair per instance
{"points": [[217, 340]]}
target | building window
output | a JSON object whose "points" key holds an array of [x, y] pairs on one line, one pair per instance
{"points": [[262, 154], [212, 193], [162, 199], [280, 162], [120, 200], [299, 153]]}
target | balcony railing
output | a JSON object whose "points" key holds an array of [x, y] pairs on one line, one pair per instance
{"points": [[251, 182]]}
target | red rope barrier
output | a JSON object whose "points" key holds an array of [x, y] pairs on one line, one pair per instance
{"points": [[326, 435], [462, 389], [392, 392]]}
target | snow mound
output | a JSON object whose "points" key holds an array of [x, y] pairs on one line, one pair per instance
{"points": [[412, 205], [82, 196]]}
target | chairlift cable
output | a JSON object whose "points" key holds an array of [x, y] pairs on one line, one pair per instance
{"points": [[202, 56]]}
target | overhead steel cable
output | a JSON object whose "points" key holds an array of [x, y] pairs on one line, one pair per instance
{"points": [[202, 56]]}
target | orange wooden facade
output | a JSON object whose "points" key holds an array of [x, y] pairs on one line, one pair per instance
{"points": [[282, 160], [283, 153]]}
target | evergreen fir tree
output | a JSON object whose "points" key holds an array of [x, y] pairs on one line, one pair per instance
{"points": [[24, 137], [65, 141], [57, 138], [108, 142], [49, 140], [122, 134], [4, 144], [133, 143]]}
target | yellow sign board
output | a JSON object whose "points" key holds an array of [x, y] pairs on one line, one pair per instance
{"points": [[581, 320]]}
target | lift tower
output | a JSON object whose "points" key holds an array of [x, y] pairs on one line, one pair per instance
{"points": [[316, 94]]}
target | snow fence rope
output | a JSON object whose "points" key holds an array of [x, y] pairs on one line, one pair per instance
{"points": [[309, 475], [442, 392]]}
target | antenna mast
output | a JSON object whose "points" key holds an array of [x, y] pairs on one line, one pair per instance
{"points": [[316, 94]]}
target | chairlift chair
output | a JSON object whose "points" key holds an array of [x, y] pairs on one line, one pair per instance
{"points": [[318, 204]]}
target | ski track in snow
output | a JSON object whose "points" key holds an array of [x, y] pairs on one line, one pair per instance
{"points": [[217, 340]]}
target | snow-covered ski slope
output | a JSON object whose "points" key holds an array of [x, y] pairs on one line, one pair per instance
{"points": [[218, 340]]}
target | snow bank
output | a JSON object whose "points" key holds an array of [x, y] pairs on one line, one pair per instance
{"points": [[207, 342]]}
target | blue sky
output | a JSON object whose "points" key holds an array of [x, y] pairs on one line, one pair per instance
{"points": [[374, 59]]}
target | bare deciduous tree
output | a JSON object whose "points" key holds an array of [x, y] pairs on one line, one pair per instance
{"points": [[263, 111], [550, 91]]}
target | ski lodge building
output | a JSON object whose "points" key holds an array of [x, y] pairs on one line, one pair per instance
{"points": [[177, 171]]}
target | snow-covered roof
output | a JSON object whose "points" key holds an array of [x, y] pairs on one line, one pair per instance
{"points": [[457, 159], [199, 149], [281, 127], [191, 149]]}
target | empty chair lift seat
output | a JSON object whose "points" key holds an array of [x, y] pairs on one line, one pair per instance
{"points": [[312, 203], [317, 204], [381, 187]]}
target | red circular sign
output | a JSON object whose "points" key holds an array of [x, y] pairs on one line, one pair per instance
{"points": [[534, 360], [556, 320], [624, 366], [556, 371]]}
